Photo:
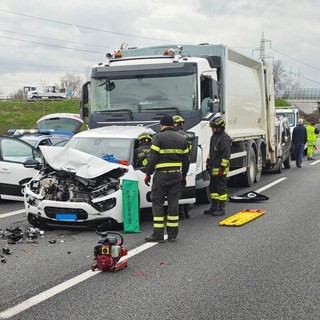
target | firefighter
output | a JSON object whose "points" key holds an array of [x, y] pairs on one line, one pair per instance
{"points": [[169, 161], [218, 164], [312, 133], [142, 152], [178, 123]]}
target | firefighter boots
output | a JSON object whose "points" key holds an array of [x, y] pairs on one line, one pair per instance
{"points": [[220, 209], [157, 236], [213, 208]]}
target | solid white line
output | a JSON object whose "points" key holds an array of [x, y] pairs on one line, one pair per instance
{"points": [[270, 185], [12, 213], [315, 162], [66, 285]]}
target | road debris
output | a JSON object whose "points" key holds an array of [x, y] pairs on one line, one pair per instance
{"points": [[18, 236]]}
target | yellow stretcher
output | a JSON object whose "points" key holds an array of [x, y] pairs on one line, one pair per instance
{"points": [[242, 217]]}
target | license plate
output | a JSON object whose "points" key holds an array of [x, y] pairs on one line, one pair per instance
{"points": [[66, 217]]}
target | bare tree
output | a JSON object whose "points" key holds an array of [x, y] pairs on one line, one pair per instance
{"points": [[72, 82], [17, 95], [286, 83], [279, 77]]}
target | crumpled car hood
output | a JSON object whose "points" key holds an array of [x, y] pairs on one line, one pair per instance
{"points": [[80, 163]]}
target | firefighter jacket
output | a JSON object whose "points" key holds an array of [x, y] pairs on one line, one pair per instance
{"points": [[219, 154], [312, 135], [141, 154], [169, 151]]}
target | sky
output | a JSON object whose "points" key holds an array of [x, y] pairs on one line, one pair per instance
{"points": [[41, 41]]}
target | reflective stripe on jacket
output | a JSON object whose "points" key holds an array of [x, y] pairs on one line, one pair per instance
{"points": [[169, 150], [220, 151]]}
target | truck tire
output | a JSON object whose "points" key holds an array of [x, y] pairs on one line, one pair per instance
{"points": [[203, 196], [248, 178], [259, 161]]}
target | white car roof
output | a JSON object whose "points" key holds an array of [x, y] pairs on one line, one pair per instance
{"points": [[61, 115], [116, 132]]}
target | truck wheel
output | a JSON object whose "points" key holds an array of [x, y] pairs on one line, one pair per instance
{"points": [[248, 178], [259, 162], [203, 196]]}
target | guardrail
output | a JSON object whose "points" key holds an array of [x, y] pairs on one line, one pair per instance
{"points": [[301, 94]]}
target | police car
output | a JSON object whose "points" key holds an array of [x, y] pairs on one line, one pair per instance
{"points": [[19, 163], [80, 184], [51, 129]]}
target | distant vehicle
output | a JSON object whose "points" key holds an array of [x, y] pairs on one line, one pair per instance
{"points": [[19, 163], [51, 93], [62, 123], [290, 112], [284, 135], [51, 129], [293, 115], [37, 137]]}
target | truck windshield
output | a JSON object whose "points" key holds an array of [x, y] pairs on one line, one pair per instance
{"points": [[144, 93], [291, 118]]}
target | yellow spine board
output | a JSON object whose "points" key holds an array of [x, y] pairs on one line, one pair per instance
{"points": [[242, 217]]}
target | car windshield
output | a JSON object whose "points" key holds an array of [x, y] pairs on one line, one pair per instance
{"points": [[118, 148], [59, 123], [144, 93]]}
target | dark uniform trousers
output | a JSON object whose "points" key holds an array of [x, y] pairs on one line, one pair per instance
{"points": [[218, 187], [166, 185]]}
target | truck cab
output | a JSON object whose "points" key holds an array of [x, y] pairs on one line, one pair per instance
{"points": [[291, 113]]}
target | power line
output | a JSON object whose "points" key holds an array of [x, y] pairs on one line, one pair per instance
{"points": [[83, 27], [297, 60], [51, 45], [47, 38]]}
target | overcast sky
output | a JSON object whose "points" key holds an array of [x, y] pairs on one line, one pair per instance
{"points": [[42, 40]]}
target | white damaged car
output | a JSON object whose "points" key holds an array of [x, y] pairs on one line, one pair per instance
{"points": [[74, 189], [80, 184]]}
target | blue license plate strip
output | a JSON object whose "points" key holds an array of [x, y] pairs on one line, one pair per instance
{"points": [[66, 217]]}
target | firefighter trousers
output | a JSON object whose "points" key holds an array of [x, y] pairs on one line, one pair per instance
{"points": [[218, 187], [166, 186]]}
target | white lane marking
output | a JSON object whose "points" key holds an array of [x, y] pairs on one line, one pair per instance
{"points": [[314, 162], [270, 185], [66, 285], [12, 213]]}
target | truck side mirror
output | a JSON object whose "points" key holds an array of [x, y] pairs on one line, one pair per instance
{"points": [[214, 105], [85, 93]]}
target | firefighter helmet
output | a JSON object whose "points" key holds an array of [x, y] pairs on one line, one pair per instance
{"points": [[144, 137], [217, 122], [178, 119]]}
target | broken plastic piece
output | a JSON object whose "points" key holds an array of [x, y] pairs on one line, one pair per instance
{"points": [[6, 250], [250, 196]]}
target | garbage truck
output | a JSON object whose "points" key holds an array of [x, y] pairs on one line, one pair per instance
{"points": [[138, 86]]}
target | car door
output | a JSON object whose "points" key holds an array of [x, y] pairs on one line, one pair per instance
{"points": [[13, 175]]}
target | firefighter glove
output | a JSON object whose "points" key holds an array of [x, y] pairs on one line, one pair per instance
{"points": [[220, 172], [183, 182], [147, 179], [208, 166]]}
